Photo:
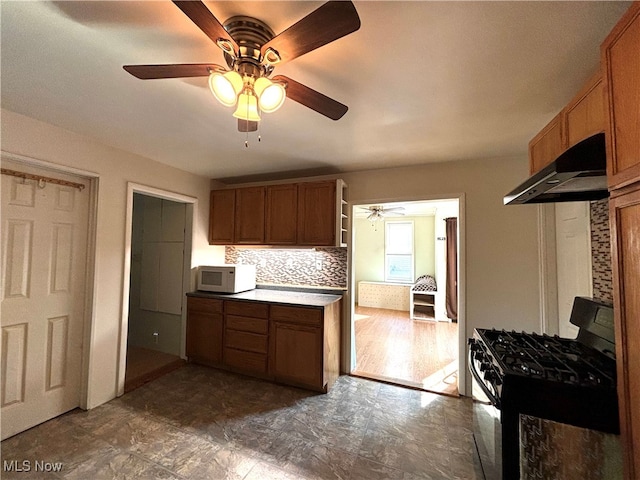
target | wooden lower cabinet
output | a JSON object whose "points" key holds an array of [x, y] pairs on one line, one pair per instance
{"points": [[204, 330], [297, 354], [246, 340], [293, 345], [305, 345], [625, 240]]}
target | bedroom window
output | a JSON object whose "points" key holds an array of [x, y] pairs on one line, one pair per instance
{"points": [[398, 248]]}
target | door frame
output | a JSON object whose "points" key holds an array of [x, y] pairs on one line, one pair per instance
{"points": [[191, 207], [348, 345], [91, 258]]}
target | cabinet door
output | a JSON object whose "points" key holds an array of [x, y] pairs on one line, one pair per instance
{"points": [[204, 330], [221, 217], [621, 60], [547, 145], [317, 213], [249, 221], [625, 241], [584, 116], [282, 214], [297, 354]]}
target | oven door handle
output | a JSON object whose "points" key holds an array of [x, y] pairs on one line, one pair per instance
{"points": [[492, 398]]}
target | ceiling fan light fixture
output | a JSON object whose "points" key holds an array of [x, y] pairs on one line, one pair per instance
{"points": [[271, 95], [225, 87], [271, 56], [247, 107]]}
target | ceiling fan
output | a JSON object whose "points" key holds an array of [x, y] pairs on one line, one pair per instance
{"points": [[252, 51], [378, 212]]}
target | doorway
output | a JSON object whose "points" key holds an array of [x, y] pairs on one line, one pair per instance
{"points": [[403, 332], [159, 273]]}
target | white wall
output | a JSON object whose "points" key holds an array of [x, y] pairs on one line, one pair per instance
{"points": [[30, 138]]}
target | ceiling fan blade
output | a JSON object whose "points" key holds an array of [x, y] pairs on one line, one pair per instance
{"points": [[149, 72], [393, 209], [310, 98], [208, 23], [330, 22], [247, 126]]}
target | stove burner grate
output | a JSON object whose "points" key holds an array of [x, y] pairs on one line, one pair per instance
{"points": [[551, 358]]}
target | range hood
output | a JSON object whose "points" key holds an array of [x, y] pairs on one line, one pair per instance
{"points": [[579, 174]]}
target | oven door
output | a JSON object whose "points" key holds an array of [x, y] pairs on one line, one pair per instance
{"points": [[487, 433]]}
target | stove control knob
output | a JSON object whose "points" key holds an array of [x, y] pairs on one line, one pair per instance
{"points": [[478, 356]]}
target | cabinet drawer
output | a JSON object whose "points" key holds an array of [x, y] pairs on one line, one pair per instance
{"points": [[302, 315], [248, 309], [251, 342], [205, 305], [250, 361], [247, 324]]}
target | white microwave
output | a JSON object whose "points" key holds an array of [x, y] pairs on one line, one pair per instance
{"points": [[226, 278]]}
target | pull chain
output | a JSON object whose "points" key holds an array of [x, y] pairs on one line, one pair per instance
{"points": [[246, 138]]}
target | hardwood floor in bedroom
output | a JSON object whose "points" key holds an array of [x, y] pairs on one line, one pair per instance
{"points": [[416, 353]]}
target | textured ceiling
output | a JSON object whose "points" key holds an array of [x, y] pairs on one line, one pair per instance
{"points": [[424, 81]]}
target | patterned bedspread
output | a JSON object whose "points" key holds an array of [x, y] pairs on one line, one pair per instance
{"points": [[424, 283]]}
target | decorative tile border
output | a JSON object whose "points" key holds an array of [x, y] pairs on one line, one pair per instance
{"points": [[319, 267], [601, 250]]}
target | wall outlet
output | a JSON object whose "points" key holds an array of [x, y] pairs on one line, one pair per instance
{"points": [[155, 337]]}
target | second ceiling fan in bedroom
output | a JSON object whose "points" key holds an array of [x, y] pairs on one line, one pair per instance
{"points": [[378, 212], [252, 51]]}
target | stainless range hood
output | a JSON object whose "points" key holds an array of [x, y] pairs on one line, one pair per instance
{"points": [[579, 174]]}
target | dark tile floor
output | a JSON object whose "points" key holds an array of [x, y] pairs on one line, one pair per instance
{"points": [[201, 423]]}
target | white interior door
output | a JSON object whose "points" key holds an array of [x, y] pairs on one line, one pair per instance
{"points": [[573, 253], [44, 259]]}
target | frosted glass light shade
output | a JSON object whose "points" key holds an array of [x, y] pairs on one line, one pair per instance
{"points": [[247, 108], [271, 95], [225, 87]]}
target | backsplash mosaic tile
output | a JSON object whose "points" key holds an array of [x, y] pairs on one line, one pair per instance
{"points": [[320, 267], [601, 250]]}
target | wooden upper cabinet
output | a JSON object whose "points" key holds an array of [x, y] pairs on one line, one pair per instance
{"points": [[585, 114], [282, 214], [222, 217], [249, 221], [306, 214], [583, 117], [547, 145], [317, 213], [620, 56]]}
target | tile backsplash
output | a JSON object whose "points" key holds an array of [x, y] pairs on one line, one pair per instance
{"points": [[319, 267], [601, 250]]}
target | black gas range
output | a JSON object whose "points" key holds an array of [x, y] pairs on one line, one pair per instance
{"points": [[571, 381]]}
